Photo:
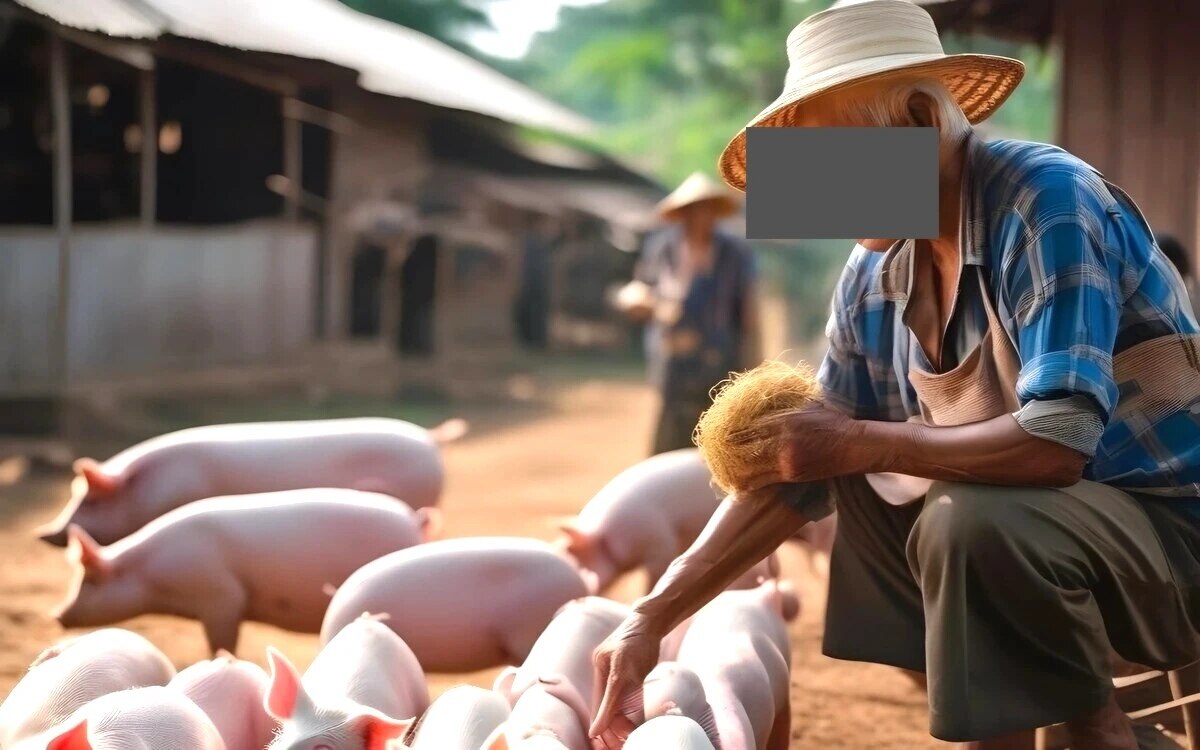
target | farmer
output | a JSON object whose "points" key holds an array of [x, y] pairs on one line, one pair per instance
{"points": [[1010, 426], [695, 286]]}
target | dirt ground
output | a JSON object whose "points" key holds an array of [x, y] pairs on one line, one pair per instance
{"points": [[515, 477]]}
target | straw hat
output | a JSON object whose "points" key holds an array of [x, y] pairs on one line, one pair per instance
{"points": [[698, 188], [863, 40]]}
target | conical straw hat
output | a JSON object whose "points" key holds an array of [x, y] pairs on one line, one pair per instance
{"points": [[862, 40], [698, 188]]}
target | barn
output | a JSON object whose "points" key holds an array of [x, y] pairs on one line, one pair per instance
{"points": [[191, 185]]}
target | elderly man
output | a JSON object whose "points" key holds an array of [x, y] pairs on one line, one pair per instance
{"points": [[1010, 426]]}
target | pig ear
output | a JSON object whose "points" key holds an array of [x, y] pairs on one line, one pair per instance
{"points": [[431, 523], [285, 690], [497, 740], [504, 683], [75, 738], [577, 541], [85, 549], [99, 483], [380, 732]]}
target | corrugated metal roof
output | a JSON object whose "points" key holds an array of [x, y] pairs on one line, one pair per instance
{"points": [[391, 59]]}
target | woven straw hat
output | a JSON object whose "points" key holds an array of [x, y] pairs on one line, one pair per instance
{"points": [[863, 40], [698, 188]]}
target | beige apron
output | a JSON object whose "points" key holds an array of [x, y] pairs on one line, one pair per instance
{"points": [[983, 386]]}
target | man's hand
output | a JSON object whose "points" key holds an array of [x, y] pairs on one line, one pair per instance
{"points": [[622, 663], [812, 443]]}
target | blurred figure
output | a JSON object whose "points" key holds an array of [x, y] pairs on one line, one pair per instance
{"points": [[539, 236], [1180, 257], [695, 286]]}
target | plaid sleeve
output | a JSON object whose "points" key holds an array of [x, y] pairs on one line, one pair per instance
{"points": [[1062, 293], [845, 378]]}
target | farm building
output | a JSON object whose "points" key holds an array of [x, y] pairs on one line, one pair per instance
{"points": [[1129, 91], [223, 183]]}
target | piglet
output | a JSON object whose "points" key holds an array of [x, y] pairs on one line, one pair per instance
{"points": [[552, 692], [113, 499], [643, 518], [152, 717], [362, 692], [734, 661], [669, 733], [462, 718], [267, 558], [462, 604], [230, 692], [68, 675]]}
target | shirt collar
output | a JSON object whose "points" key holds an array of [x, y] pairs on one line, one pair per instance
{"points": [[897, 266]]}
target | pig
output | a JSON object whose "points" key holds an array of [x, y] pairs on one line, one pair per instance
{"points": [[230, 692], [362, 692], [734, 661], [543, 719], [461, 719], [266, 558], [113, 499], [75, 671], [766, 570], [150, 717], [669, 733], [643, 518], [552, 692], [462, 604]]}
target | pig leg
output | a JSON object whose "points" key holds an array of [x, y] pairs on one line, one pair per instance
{"points": [[781, 732], [222, 616]]}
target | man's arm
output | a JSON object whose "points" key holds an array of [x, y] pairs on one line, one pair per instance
{"points": [[740, 534], [998, 451]]}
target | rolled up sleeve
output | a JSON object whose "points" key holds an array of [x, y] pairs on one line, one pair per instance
{"points": [[1064, 300]]}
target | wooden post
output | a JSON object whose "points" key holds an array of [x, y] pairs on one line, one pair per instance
{"points": [[149, 157], [60, 105], [292, 163]]}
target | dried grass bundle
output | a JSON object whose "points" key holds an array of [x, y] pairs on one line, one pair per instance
{"points": [[738, 403]]}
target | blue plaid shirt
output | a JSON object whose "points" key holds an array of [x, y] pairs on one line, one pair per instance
{"points": [[1076, 278]]}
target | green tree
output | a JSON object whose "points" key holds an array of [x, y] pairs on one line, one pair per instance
{"points": [[445, 20]]}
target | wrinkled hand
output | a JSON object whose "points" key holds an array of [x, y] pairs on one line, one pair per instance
{"points": [[815, 442], [622, 663]]}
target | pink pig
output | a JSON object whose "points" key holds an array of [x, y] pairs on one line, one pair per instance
{"points": [[362, 692], [266, 558], [75, 671], [669, 733], [112, 500], [552, 692], [151, 717], [230, 692], [462, 604], [734, 661], [462, 718], [644, 517]]}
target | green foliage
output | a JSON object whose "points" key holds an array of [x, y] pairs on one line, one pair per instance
{"points": [[445, 20]]}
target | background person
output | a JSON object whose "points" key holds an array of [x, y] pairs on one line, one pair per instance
{"points": [[695, 286]]}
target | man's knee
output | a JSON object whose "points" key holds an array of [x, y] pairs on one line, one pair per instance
{"points": [[970, 521]]}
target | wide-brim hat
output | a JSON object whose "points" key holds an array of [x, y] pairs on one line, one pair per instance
{"points": [[866, 40], [698, 188]]}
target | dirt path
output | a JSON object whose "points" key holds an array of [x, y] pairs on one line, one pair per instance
{"points": [[516, 480]]}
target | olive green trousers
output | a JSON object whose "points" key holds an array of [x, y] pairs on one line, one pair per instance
{"points": [[1011, 600]]}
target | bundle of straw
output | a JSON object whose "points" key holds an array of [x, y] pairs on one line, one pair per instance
{"points": [[739, 403]]}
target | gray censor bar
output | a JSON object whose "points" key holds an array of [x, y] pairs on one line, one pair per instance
{"points": [[838, 183]]}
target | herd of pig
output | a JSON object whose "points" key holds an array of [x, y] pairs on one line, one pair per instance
{"points": [[332, 527]]}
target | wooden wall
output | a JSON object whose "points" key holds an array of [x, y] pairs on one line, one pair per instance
{"points": [[1131, 102], [180, 296]]}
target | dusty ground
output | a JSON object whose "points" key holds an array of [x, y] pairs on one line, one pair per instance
{"points": [[516, 475]]}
